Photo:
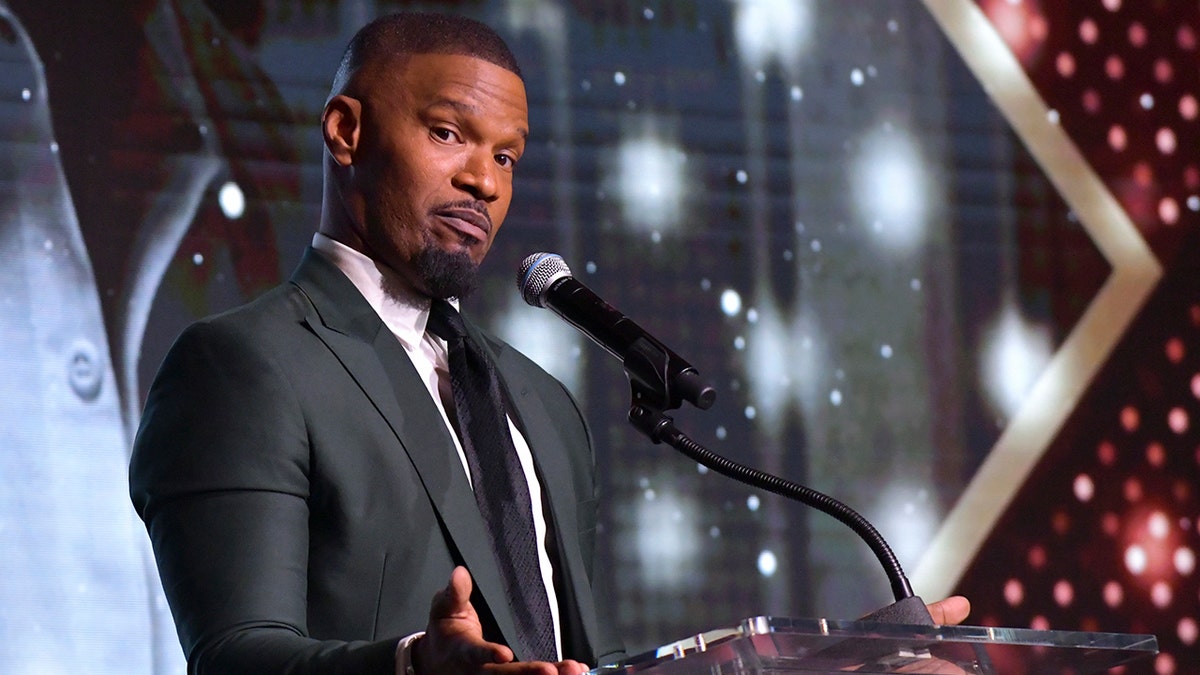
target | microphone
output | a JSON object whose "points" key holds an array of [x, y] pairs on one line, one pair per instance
{"points": [[546, 281]]}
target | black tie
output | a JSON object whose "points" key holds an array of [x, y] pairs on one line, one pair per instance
{"points": [[497, 478]]}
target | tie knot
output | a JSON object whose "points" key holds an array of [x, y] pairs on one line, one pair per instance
{"points": [[445, 321]]}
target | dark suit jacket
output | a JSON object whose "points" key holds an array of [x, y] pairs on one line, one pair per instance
{"points": [[305, 500]]}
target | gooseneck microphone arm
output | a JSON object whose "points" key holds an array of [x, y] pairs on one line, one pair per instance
{"points": [[661, 380], [660, 428]]}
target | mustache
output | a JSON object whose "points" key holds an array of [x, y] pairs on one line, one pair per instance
{"points": [[476, 206]]}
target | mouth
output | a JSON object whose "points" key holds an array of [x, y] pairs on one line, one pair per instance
{"points": [[468, 222]]}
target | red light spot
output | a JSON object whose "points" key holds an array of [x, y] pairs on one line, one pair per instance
{"points": [[1185, 37], [1163, 71], [1143, 175], [1064, 594], [1037, 557], [1160, 594], [1113, 594], [1129, 418], [1106, 452], [1178, 420], [1014, 592], [1060, 522], [1188, 107], [1114, 67], [1155, 455], [1110, 524], [1065, 63], [1088, 31], [1175, 350], [1117, 139], [1133, 490], [1187, 630], [1137, 35], [1168, 209]]}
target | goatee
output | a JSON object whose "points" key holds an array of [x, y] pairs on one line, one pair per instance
{"points": [[446, 274]]}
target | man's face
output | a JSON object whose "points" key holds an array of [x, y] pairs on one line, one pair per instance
{"points": [[441, 135]]}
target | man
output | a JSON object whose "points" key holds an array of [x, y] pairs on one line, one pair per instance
{"points": [[297, 464], [303, 466]]}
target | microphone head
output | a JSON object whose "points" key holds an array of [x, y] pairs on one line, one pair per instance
{"points": [[538, 272]]}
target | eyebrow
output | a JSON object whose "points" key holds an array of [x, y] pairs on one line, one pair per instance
{"points": [[469, 109]]}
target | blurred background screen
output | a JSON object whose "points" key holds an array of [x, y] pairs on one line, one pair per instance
{"points": [[937, 257]]}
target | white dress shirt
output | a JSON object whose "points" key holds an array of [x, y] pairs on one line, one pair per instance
{"points": [[405, 313]]}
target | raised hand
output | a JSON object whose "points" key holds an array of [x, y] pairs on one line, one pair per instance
{"points": [[453, 642]]}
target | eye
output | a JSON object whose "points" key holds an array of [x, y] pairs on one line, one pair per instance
{"points": [[445, 134], [506, 161]]}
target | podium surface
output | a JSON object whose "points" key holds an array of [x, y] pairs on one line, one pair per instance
{"points": [[767, 644]]}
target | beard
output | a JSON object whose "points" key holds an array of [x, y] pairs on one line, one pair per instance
{"points": [[446, 274]]}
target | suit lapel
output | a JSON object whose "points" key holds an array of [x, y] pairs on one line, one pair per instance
{"points": [[377, 362]]}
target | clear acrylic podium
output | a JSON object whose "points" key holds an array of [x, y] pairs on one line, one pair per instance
{"points": [[780, 645]]}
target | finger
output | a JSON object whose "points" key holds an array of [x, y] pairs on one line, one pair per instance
{"points": [[951, 611], [455, 598], [571, 668]]}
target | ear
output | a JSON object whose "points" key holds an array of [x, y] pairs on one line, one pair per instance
{"points": [[341, 125]]}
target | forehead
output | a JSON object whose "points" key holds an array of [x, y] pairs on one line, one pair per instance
{"points": [[470, 84]]}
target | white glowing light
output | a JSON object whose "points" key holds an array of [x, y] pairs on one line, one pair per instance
{"points": [[767, 563], [1015, 354], [667, 540], [731, 302], [197, 258], [907, 515], [649, 176], [856, 77], [772, 30], [1160, 594], [26, 94], [1084, 487], [1135, 559], [232, 201], [892, 187], [835, 397], [1158, 525], [785, 365], [619, 78], [543, 337], [753, 502], [1185, 561]]}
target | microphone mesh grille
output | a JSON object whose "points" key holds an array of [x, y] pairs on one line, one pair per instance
{"points": [[537, 272]]}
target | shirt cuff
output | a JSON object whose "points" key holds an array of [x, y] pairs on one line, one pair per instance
{"points": [[404, 665]]}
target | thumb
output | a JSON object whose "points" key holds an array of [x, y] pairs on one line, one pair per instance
{"points": [[455, 599]]}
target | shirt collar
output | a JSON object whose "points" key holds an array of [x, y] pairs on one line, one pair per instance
{"points": [[403, 310]]}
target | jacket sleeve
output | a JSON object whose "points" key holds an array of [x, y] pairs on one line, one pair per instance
{"points": [[220, 476]]}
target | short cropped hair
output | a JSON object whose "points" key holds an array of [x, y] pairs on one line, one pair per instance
{"points": [[422, 33]]}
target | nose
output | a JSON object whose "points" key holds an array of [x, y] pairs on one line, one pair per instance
{"points": [[478, 177]]}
